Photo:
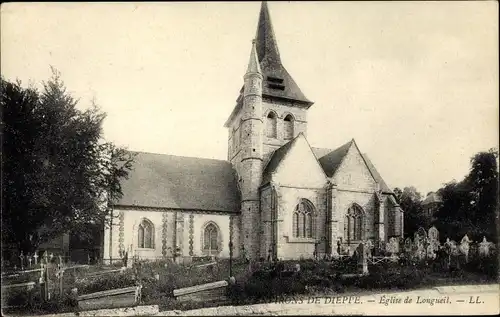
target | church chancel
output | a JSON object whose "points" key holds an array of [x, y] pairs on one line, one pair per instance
{"points": [[275, 196]]}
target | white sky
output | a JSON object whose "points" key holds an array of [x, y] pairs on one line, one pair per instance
{"points": [[415, 83]]}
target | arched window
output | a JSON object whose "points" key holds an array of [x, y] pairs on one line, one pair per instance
{"points": [[354, 224], [271, 129], [146, 234], [288, 127], [303, 219], [211, 239]]}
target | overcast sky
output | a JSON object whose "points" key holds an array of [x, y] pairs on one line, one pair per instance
{"points": [[415, 83]]}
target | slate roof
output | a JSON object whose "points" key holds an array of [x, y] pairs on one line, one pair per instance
{"points": [[275, 159], [178, 182], [270, 61], [383, 186], [273, 72], [432, 198], [330, 160]]}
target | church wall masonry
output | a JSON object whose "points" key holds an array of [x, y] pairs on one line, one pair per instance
{"points": [[290, 247], [282, 109], [273, 172], [171, 229]]}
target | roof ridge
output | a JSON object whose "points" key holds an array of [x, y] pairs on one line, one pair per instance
{"points": [[180, 156]]}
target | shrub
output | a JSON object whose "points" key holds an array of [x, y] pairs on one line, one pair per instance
{"points": [[487, 266], [105, 282]]}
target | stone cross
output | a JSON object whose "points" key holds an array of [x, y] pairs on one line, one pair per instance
{"points": [[484, 247], [21, 257], [362, 259], [29, 260], [408, 245], [464, 247], [36, 257]]}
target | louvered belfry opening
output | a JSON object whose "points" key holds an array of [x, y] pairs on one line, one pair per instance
{"points": [[275, 83]]}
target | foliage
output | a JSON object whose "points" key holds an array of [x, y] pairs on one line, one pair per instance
{"points": [[105, 282], [471, 206], [58, 173], [410, 201]]}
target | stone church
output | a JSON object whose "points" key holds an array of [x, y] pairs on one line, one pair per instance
{"points": [[275, 195]]}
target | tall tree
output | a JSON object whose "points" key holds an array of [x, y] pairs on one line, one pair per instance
{"points": [[410, 201], [471, 206], [58, 173]]}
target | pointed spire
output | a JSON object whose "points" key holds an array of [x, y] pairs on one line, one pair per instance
{"points": [[266, 40], [253, 63]]}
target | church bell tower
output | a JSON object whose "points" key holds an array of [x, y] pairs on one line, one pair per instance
{"points": [[268, 89]]}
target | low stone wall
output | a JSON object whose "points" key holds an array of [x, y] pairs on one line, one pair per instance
{"points": [[215, 291], [109, 299], [150, 310]]}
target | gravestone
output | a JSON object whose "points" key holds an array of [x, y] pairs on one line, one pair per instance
{"points": [[433, 238], [21, 257], [362, 259], [484, 248], [420, 251], [420, 235], [433, 233], [408, 245], [431, 251], [369, 247], [36, 257], [464, 247], [393, 246], [451, 250]]}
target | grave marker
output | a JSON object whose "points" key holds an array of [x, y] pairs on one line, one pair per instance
{"points": [[369, 246], [420, 235], [484, 247], [464, 247], [430, 252], [433, 233], [393, 246], [362, 259], [408, 245], [420, 252], [21, 257]]}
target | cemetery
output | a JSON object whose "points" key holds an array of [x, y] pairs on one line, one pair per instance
{"points": [[45, 283]]}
